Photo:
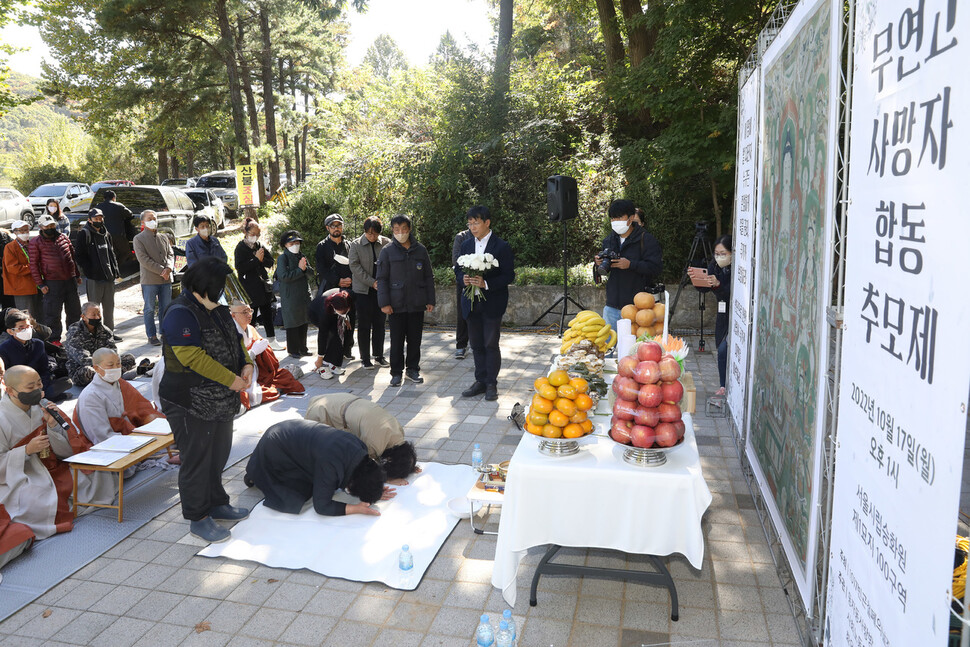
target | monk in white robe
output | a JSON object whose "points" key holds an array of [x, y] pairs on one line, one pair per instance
{"points": [[36, 491], [269, 380], [110, 405]]}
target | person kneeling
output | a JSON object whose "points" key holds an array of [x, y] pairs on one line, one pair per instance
{"points": [[297, 460], [109, 405], [269, 379], [36, 484], [381, 432]]}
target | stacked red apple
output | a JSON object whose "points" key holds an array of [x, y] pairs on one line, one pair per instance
{"points": [[646, 412]]}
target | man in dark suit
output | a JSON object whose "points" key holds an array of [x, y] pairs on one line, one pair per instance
{"points": [[484, 317], [117, 220]]}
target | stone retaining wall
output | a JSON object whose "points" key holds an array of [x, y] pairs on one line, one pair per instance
{"points": [[526, 303]]}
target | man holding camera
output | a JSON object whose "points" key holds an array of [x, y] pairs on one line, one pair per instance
{"points": [[631, 259]]}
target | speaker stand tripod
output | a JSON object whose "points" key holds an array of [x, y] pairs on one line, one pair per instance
{"points": [[565, 299], [700, 243]]}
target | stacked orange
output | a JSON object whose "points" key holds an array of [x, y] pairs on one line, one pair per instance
{"points": [[645, 314], [559, 407]]}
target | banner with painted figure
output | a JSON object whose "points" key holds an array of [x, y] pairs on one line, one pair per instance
{"points": [[905, 353], [745, 210], [800, 81]]}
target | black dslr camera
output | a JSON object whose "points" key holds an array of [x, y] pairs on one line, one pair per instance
{"points": [[607, 256]]}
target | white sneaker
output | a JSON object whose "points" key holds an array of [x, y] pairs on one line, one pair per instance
{"points": [[275, 345], [324, 372], [337, 370]]}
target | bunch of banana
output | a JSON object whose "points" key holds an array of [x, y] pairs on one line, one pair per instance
{"points": [[588, 325]]}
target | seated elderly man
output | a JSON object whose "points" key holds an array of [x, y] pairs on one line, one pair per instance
{"points": [[297, 460], [35, 484], [83, 338], [109, 405], [269, 379], [22, 349], [381, 432]]}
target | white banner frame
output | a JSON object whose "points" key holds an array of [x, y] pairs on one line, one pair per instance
{"points": [[893, 526], [803, 568], [742, 259]]}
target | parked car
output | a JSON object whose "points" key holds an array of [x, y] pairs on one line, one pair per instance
{"points": [[191, 182], [73, 196], [14, 206], [223, 184], [208, 204], [109, 183], [177, 182]]}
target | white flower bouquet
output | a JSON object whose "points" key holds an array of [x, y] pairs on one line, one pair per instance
{"points": [[476, 265]]}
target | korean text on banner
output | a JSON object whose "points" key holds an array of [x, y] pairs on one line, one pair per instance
{"points": [[247, 185], [905, 357], [745, 215]]}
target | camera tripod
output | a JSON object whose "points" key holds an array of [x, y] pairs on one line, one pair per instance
{"points": [[700, 244], [565, 299]]}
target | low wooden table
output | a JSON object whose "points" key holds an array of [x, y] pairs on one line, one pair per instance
{"points": [[158, 443]]}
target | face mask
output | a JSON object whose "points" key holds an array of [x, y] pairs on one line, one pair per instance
{"points": [[52, 208], [24, 237], [251, 240], [402, 238], [25, 334], [620, 226], [98, 224], [294, 249], [94, 322], [48, 233], [722, 260], [204, 232], [111, 375], [30, 398], [151, 224]]}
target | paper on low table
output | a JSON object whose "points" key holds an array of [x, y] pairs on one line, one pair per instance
{"points": [[357, 547]]}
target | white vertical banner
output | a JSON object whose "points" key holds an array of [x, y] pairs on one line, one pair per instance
{"points": [[905, 354], [800, 80], [745, 216]]}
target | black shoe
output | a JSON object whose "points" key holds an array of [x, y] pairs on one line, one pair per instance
{"points": [[396, 380], [116, 338], [208, 530], [144, 366], [475, 389], [228, 513], [381, 361], [348, 356], [248, 481], [296, 355], [414, 376], [154, 341], [366, 363], [460, 353], [491, 392]]}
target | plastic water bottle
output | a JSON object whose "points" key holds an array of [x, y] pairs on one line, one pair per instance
{"points": [[477, 458], [405, 562], [504, 638], [507, 616], [484, 635]]}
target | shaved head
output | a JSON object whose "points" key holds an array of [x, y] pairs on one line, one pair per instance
{"points": [[20, 374], [103, 356]]}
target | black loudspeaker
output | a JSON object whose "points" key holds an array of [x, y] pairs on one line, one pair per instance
{"points": [[562, 198]]}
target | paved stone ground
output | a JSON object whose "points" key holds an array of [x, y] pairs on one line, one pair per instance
{"points": [[151, 589]]}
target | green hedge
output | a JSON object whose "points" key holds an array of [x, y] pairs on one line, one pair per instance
{"points": [[578, 275]]}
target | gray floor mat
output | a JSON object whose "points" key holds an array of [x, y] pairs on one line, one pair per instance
{"points": [[147, 494]]}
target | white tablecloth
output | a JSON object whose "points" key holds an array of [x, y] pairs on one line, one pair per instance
{"points": [[595, 499]]}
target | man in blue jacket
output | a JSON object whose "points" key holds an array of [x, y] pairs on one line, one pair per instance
{"points": [[203, 244], [484, 317], [22, 349]]}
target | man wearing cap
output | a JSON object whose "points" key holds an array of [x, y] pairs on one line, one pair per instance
{"points": [[53, 265], [156, 261], [17, 280], [333, 271], [96, 256]]}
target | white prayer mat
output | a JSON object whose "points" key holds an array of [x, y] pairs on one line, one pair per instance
{"points": [[362, 548]]}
